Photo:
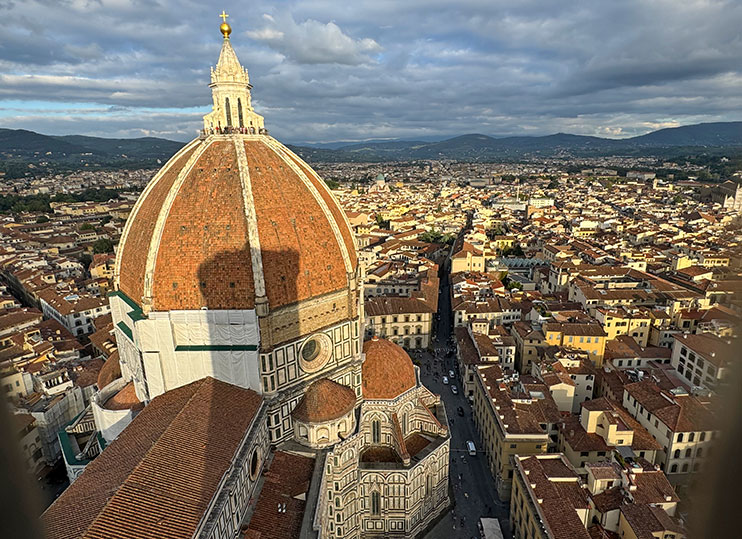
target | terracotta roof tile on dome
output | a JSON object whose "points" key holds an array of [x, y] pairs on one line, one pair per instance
{"points": [[125, 399], [387, 370], [110, 371], [187, 243], [324, 400]]}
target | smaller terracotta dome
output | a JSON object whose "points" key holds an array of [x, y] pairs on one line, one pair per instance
{"points": [[110, 371], [387, 370], [125, 399], [324, 400]]}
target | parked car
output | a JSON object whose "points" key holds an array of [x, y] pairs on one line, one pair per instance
{"points": [[471, 448], [454, 390], [445, 380], [460, 411]]}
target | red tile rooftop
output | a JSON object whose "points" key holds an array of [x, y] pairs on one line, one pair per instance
{"points": [[286, 480]]}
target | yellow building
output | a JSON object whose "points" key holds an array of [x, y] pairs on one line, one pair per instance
{"points": [[588, 337], [509, 424], [632, 322], [467, 258], [601, 427]]}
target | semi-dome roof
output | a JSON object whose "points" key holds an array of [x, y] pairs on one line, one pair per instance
{"points": [[324, 400], [234, 218], [387, 370], [229, 219]]}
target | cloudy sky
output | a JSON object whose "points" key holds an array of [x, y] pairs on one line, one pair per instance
{"points": [[352, 70]]}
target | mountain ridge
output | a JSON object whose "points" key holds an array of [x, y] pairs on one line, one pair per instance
{"points": [[24, 146]]}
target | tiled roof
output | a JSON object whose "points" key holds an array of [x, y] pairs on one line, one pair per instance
{"points": [[158, 477], [681, 413], [324, 400], [202, 242], [559, 498], [387, 370], [286, 481]]}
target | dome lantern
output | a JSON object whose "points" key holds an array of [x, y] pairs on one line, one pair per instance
{"points": [[230, 89]]}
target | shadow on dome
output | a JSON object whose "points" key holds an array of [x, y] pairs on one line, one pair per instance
{"points": [[227, 283]]}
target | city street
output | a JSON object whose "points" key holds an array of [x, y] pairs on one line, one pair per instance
{"points": [[473, 485]]}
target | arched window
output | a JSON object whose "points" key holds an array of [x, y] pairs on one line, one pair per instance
{"points": [[680, 437], [685, 467], [229, 112], [687, 453], [239, 111], [673, 468], [677, 453], [428, 483], [375, 503], [691, 436], [375, 431], [703, 437], [699, 452]]}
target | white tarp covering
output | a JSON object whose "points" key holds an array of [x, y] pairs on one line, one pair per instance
{"points": [[183, 346]]}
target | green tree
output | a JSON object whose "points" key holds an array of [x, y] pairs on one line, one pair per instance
{"points": [[86, 260], [42, 219], [103, 245], [86, 226]]}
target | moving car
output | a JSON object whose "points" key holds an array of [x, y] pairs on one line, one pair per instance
{"points": [[454, 390], [445, 380], [451, 374]]}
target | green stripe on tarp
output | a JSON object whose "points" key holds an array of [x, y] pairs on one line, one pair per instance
{"points": [[123, 327], [136, 312]]}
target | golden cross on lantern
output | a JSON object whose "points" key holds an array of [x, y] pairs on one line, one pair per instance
{"points": [[225, 28]]}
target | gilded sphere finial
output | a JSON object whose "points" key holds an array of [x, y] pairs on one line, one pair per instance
{"points": [[224, 27]]}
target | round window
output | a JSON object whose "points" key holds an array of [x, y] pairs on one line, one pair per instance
{"points": [[315, 352], [254, 464], [310, 351]]}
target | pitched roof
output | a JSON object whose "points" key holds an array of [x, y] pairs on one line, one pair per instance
{"points": [[287, 479], [158, 477]]}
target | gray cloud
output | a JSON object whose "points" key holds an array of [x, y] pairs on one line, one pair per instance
{"points": [[327, 70]]}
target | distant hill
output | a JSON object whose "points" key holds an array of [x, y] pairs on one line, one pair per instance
{"points": [[137, 148], [708, 134], [20, 148], [22, 141], [478, 147]]}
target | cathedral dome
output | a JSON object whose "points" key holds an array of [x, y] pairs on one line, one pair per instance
{"points": [[324, 400], [387, 370], [234, 219], [231, 219]]}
